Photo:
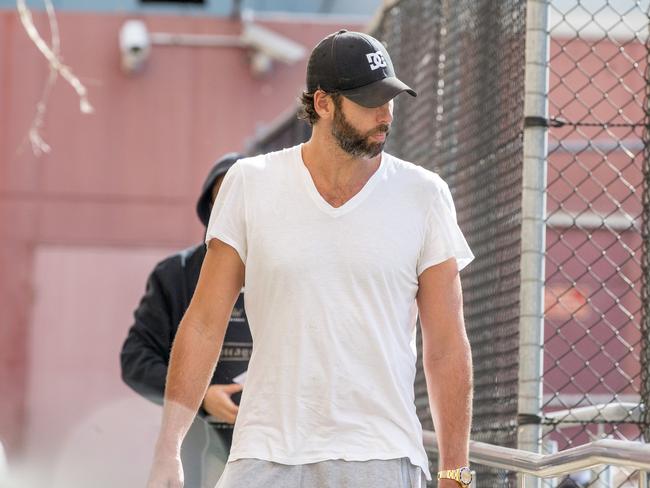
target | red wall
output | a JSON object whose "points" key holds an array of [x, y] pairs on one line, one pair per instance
{"points": [[126, 176]]}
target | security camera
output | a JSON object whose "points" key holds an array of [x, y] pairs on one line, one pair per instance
{"points": [[265, 45], [271, 44], [135, 45], [261, 64]]}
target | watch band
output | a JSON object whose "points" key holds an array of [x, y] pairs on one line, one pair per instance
{"points": [[448, 474], [462, 476]]}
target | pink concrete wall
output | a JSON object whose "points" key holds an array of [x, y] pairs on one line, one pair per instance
{"points": [[123, 178], [83, 426]]}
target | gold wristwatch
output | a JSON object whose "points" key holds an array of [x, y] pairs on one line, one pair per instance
{"points": [[462, 476]]}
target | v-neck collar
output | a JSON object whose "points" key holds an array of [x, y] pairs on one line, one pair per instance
{"points": [[323, 204]]}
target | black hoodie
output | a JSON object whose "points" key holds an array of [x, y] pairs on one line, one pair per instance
{"points": [[145, 353]]}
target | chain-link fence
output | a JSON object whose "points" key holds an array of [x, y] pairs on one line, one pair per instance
{"points": [[594, 251], [467, 60], [645, 267]]}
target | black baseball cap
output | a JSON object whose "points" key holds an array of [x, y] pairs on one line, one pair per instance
{"points": [[221, 166], [356, 65]]}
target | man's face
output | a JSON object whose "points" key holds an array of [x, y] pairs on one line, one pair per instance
{"points": [[362, 133]]}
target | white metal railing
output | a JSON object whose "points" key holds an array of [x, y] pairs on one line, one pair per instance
{"points": [[626, 454], [607, 412]]}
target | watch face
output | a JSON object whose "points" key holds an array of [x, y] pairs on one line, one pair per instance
{"points": [[465, 476]]}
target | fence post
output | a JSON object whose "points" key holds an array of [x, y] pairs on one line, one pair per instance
{"points": [[533, 230], [645, 262]]}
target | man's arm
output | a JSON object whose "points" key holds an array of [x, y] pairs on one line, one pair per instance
{"points": [[447, 362], [145, 352], [194, 354]]}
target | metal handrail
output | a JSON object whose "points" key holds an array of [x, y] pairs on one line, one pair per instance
{"points": [[607, 412], [627, 454]]}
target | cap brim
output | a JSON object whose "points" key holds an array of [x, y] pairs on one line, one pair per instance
{"points": [[379, 92]]}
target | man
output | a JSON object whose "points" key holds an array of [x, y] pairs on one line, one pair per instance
{"points": [[145, 353], [338, 242]]}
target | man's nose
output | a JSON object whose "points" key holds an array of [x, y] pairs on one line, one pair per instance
{"points": [[385, 113]]}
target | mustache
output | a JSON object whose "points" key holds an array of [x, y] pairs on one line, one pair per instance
{"points": [[380, 129]]}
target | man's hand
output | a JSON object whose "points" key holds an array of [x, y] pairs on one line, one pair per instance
{"points": [[166, 471], [219, 404]]}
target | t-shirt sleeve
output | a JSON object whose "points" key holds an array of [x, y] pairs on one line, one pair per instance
{"points": [[443, 239], [228, 217]]}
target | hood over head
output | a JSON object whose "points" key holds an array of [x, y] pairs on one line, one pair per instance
{"points": [[204, 203]]}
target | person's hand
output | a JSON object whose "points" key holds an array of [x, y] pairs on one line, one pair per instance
{"points": [[166, 471], [219, 404]]}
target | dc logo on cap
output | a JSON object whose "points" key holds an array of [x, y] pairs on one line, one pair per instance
{"points": [[376, 60]]}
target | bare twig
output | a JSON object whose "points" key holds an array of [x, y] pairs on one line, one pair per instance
{"points": [[53, 55]]}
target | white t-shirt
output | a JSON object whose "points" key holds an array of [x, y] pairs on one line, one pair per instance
{"points": [[330, 299]]}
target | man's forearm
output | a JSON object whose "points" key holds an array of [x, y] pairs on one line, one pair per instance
{"points": [[194, 354], [449, 383]]}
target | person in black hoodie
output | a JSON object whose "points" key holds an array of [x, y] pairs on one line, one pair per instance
{"points": [[145, 354]]}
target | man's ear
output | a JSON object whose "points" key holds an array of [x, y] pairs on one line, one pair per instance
{"points": [[324, 105]]}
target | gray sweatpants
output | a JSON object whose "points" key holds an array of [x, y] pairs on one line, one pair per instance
{"points": [[336, 473]]}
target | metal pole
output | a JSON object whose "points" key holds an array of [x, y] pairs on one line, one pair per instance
{"points": [[533, 230], [643, 479], [195, 40], [645, 263], [521, 483]]}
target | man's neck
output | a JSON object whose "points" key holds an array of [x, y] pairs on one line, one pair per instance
{"points": [[333, 167], [337, 176]]}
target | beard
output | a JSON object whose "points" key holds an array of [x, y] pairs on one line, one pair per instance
{"points": [[354, 142]]}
